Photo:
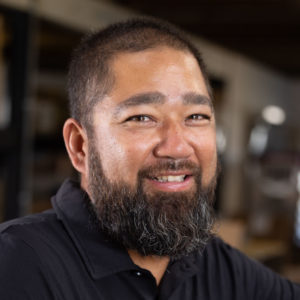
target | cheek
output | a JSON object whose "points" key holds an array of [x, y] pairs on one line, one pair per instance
{"points": [[123, 155], [112, 154], [207, 156]]}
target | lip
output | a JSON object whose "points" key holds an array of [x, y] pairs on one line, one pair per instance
{"points": [[172, 186], [173, 173]]}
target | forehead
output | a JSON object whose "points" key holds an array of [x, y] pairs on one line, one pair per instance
{"points": [[170, 72]]}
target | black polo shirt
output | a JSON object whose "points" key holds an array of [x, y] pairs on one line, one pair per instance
{"points": [[59, 254]]}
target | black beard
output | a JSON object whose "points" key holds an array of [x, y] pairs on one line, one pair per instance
{"points": [[163, 223]]}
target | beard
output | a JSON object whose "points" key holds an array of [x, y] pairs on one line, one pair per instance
{"points": [[159, 223]]}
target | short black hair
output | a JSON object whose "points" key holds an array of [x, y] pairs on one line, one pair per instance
{"points": [[90, 77]]}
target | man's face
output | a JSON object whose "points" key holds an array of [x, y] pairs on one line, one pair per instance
{"points": [[152, 154], [159, 109]]}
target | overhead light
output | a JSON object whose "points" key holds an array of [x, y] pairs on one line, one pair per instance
{"points": [[258, 139], [221, 140], [273, 114]]}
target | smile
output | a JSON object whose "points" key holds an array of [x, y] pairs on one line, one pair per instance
{"points": [[179, 178], [172, 182]]}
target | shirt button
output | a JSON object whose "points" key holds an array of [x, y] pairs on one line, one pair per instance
{"points": [[138, 274]]}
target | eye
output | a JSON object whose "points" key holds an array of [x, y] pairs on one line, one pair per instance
{"points": [[198, 117], [139, 118]]}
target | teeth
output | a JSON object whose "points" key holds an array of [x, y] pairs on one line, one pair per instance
{"points": [[170, 178]]}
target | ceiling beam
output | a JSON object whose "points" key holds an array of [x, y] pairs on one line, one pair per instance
{"points": [[77, 14]]}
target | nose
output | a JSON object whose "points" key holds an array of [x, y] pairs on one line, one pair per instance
{"points": [[174, 143]]}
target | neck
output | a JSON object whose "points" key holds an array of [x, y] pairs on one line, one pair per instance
{"points": [[157, 265]]}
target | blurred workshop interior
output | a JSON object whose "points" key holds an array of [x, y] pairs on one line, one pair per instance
{"points": [[251, 49]]}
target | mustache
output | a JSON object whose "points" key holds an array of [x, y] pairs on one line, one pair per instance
{"points": [[170, 165]]}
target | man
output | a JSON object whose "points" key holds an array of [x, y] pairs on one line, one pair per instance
{"points": [[138, 225]]}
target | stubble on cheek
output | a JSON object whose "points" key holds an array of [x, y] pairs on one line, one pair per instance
{"points": [[211, 170]]}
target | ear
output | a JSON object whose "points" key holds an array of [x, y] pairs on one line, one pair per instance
{"points": [[75, 139]]}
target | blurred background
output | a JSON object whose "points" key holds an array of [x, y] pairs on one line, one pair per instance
{"points": [[252, 50]]}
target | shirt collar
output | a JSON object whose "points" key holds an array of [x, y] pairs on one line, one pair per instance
{"points": [[101, 256]]}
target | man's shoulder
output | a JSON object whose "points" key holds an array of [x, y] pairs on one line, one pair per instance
{"points": [[223, 256], [30, 222], [33, 232], [22, 255], [231, 268]]}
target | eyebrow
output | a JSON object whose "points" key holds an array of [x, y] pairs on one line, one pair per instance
{"points": [[159, 98], [140, 99], [193, 98]]}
